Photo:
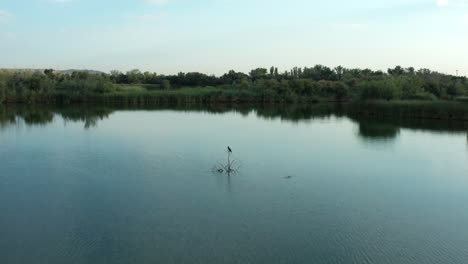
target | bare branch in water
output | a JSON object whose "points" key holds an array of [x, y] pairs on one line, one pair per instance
{"points": [[230, 167]]}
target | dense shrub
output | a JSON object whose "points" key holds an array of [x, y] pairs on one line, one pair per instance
{"points": [[298, 84]]}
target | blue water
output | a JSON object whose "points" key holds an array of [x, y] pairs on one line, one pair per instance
{"points": [[139, 187]]}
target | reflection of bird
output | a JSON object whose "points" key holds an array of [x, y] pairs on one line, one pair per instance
{"points": [[229, 150]]}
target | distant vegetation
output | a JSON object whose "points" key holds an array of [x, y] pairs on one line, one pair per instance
{"points": [[318, 83]]}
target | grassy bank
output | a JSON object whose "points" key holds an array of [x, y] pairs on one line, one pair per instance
{"points": [[139, 95]]}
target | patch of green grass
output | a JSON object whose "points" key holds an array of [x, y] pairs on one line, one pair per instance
{"points": [[185, 91], [129, 88], [151, 86]]}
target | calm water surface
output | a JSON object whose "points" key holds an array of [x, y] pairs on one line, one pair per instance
{"points": [[121, 186]]}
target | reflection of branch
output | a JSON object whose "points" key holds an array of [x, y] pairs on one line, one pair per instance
{"points": [[229, 165]]}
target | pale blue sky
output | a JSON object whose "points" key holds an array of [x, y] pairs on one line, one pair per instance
{"points": [[213, 36]]}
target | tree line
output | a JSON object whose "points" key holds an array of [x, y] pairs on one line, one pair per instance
{"points": [[298, 83]]}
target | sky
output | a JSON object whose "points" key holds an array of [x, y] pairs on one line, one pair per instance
{"points": [[214, 36]]}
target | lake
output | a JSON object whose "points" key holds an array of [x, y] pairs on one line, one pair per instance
{"points": [[313, 184]]}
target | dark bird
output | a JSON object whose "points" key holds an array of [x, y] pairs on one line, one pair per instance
{"points": [[230, 150]]}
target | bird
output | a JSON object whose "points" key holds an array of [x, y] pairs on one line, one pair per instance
{"points": [[229, 150]]}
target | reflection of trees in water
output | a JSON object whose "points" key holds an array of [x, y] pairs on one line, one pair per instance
{"points": [[36, 116], [33, 116], [287, 112], [386, 129], [369, 128], [7, 117], [299, 113], [437, 126], [89, 116], [378, 130]]}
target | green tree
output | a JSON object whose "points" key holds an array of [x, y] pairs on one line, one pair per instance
{"points": [[49, 73], [340, 90], [272, 71], [366, 73], [104, 86], [398, 70], [339, 70], [259, 73], [245, 84], [134, 76], [455, 89], [381, 89], [409, 86]]}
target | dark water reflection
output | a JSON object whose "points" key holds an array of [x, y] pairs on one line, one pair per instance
{"points": [[32, 116], [377, 128], [125, 185]]}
